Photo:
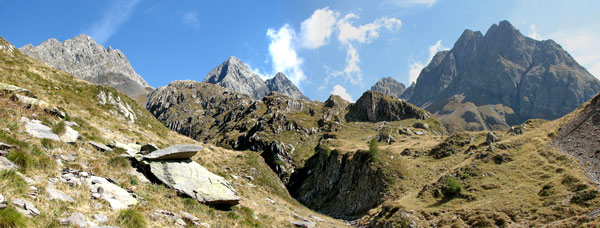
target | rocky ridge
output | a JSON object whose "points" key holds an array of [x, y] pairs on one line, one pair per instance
{"points": [[389, 86], [88, 60]]}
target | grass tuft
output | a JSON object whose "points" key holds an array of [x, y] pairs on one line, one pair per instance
{"points": [[131, 218], [59, 128], [10, 180], [11, 218], [119, 162]]}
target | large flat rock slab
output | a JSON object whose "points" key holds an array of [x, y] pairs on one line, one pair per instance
{"points": [[175, 152], [195, 181], [117, 197], [36, 129]]}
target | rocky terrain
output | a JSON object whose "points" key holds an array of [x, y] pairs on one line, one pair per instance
{"points": [[82, 57], [500, 79], [389, 86], [237, 76], [76, 154]]}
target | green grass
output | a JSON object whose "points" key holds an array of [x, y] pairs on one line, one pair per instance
{"points": [[10, 218], [21, 158], [452, 188], [118, 161], [131, 218], [47, 143], [12, 182], [59, 128]]}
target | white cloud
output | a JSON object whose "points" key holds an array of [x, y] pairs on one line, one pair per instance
{"points": [[583, 45], [118, 13], [191, 18], [415, 67], [341, 91], [283, 53], [316, 30], [408, 3], [533, 33]]}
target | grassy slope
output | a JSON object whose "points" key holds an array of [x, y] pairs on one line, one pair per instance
{"points": [[79, 99]]}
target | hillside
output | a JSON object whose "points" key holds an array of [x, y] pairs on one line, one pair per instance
{"points": [[500, 79], [93, 180]]}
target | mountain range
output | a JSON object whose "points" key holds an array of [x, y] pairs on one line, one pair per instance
{"points": [[499, 79]]}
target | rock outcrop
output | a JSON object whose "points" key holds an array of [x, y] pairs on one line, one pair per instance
{"points": [[117, 197], [500, 79], [179, 151], [389, 86], [82, 57], [375, 107], [344, 186]]}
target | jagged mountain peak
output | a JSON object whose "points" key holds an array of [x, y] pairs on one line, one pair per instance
{"points": [[389, 86], [235, 75], [88, 60]]}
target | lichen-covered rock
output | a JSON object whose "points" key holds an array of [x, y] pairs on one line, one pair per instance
{"points": [[192, 179], [117, 197], [174, 152], [36, 129]]}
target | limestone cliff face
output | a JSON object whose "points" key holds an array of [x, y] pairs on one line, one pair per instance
{"points": [[516, 77], [82, 57]]}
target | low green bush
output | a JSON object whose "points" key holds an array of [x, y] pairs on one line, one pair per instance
{"points": [[131, 218], [452, 188]]}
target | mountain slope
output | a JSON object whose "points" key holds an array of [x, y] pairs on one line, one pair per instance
{"points": [[389, 86], [280, 83], [105, 117], [88, 60], [501, 78]]}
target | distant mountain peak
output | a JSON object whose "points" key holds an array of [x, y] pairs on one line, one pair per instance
{"points": [[389, 86], [88, 60], [235, 75]]}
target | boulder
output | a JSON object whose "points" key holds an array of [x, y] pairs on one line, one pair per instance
{"points": [[77, 220], [4, 146], [55, 194], [195, 181], [117, 197], [25, 207], [11, 89], [36, 129], [101, 218], [491, 138], [304, 224], [128, 149], [1, 198], [29, 101], [70, 135], [180, 151], [99, 146], [7, 164]]}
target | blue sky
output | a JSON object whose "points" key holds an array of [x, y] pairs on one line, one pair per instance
{"points": [[324, 46]]}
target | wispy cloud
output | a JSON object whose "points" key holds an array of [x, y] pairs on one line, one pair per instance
{"points": [[533, 33], [316, 30], [119, 12], [284, 57], [341, 91], [415, 67], [191, 18]]}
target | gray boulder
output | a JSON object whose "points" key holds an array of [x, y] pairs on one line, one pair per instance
{"points": [[25, 207], [117, 197], [77, 220], [192, 179], [99, 146], [7, 164], [70, 135], [179, 151], [55, 194], [148, 148], [36, 129]]}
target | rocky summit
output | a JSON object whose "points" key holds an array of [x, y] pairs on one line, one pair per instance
{"points": [[233, 74], [389, 86], [500, 79], [88, 60]]}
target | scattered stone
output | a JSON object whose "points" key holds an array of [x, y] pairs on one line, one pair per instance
{"points": [[11, 89], [387, 138], [491, 138], [55, 194], [304, 224], [1, 198], [117, 197], [70, 135], [57, 112], [405, 131], [4, 146], [180, 151], [189, 217], [128, 149], [250, 178], [317, 218], [72, 124], [100, 218], [148, 148], [25, 207], [195, 181], [99, 146], [270, 200], [70, 157], [518, 130], [7, 164], [36, 129], [77, 220], [30, 101], [2, 206]]}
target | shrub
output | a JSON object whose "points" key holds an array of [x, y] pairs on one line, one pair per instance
{"points": [[131, 218], [373, 149], [118, 161], [10, 218], [452, 187], [546, 190], [47, 143], [582, 197], [59, 128]]}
